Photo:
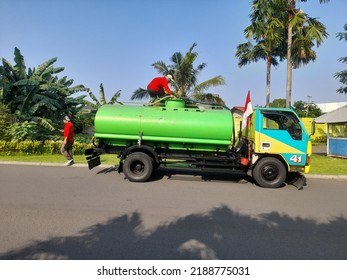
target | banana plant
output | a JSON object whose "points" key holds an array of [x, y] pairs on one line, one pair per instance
{"points": [[102, 99]]}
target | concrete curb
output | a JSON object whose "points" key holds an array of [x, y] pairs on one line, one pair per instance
{"points": [[314, 176]]}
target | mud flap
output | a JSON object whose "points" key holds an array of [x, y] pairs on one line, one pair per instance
{"points": [[93, 162], [93, 157], [296, 179]]}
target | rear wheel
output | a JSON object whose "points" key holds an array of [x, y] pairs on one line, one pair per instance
{"points": [[269, 172], [138, 167]]}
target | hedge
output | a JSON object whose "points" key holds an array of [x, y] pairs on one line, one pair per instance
{"points": [[39, 147]]}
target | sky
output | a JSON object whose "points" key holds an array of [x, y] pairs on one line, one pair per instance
{"points": [[114, 42]]}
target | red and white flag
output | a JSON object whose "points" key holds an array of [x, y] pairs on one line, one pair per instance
{"points": [[247, 111]]}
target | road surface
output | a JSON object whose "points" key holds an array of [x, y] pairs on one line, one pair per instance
{"points": [[58, 212]]}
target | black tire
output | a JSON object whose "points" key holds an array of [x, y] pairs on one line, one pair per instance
{"points": [[269, 172], [155, 164], [138, 167]]}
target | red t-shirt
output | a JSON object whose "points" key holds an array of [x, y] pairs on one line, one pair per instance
{"points": [[158, 84], [68, 131]]}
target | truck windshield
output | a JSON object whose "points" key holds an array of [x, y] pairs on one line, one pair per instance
{"points": [[281, 120]]}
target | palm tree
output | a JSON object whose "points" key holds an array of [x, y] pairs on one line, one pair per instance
{"points": [[102, 98], [342, 75], [270, 21], [266, 30], [186, 78], [297, 19]]}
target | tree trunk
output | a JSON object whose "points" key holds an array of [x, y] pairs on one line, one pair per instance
{"points": [[291, 6], [268, 74], [289, 68]]}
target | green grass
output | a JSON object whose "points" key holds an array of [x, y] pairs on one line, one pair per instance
{"points": [[105, 159], [320, 164]]}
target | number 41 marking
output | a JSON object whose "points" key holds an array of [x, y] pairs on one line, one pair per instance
{"points": [[296, 158]]}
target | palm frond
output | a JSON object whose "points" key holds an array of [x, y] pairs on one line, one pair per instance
{"points": [[316, 31], [177, 58], [140, 93], [161, 67], [213, 82]]}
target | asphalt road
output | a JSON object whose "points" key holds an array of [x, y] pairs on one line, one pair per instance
{"points": [[58, 212]]}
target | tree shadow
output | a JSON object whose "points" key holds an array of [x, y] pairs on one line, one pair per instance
{"points": [[218, 234]]}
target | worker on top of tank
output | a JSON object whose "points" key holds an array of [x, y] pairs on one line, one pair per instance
{"points": [[159, 86]]}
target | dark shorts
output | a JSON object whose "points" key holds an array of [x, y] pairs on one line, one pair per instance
{"points": [[153, 93]]}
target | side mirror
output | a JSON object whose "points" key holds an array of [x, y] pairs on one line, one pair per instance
{"points": [[313, 128]]}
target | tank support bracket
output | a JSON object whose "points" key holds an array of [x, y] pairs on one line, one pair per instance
{"points": [[139, 141]]}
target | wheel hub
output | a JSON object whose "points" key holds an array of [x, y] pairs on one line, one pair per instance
{"points": [[270, 172], [137, 167]]}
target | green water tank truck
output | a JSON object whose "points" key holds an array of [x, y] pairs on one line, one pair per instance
{"points": [[275, 150]]}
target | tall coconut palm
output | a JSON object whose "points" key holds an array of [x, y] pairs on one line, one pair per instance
{"points": [[186, 78], [342, 75], [302, 45], [266, 31], [296, 18]]}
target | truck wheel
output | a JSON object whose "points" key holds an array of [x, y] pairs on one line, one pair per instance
{"points": [[269, 173], [138, 167]]}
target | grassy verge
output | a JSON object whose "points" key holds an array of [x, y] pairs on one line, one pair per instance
{"points": [[320, 164], [105, 159]]}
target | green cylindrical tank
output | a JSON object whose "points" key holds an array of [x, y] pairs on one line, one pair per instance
{"points": [[171, 125]]}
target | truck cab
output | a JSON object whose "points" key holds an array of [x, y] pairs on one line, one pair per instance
{"points": [[279, 141]]}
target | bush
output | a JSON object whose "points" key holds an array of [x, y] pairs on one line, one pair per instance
{"points": [[81, 138], [5, 121], [38, 147]]}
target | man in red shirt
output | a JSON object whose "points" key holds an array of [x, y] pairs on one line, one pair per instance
{"points": [[159, 86], [66, 147]]}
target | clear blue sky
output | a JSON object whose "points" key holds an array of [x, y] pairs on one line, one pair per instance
{"points": [[114, 42]]}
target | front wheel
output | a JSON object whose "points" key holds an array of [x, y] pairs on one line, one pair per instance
{"points": [[138, 167], [269, 172]]}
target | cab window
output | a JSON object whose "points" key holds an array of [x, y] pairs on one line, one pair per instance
{"points": [[279, 120]]}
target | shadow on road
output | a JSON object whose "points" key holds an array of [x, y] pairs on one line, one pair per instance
{"points": [[218, 234], [192, 174]]}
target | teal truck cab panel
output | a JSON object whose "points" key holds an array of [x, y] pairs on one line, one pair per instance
{"points": [[280, 132]]}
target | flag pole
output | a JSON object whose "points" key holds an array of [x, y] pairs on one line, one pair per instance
{"points": [[249, 134], [248, 110]]}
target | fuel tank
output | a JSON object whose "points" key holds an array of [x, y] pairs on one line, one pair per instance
{"points": [[173, 124]]}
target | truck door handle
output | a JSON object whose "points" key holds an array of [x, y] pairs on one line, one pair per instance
{"points": [[265, 145]]}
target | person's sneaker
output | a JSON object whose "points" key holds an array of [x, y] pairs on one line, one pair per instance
{"points": [[69, 162]]}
